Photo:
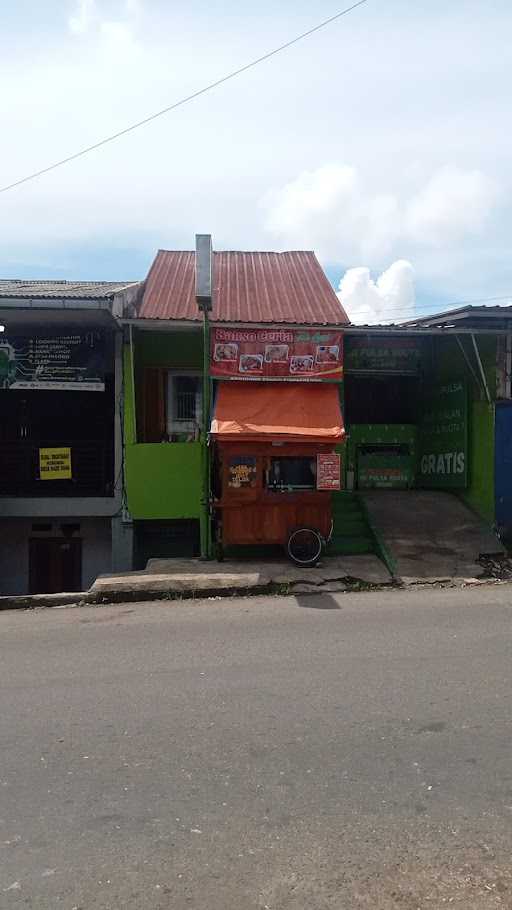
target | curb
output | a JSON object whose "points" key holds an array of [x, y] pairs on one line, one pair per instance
{"points": [[31, 601], [103, 598], [348, 585]]}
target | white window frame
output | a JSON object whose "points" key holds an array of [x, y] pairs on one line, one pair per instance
{"points": [[175, 427]]}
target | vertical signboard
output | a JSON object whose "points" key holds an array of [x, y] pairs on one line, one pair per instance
{"points": [[328, 472], [443, 438]]}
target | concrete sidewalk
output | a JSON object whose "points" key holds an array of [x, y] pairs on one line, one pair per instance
{"points": [[430, 535], [188, 577], [176, 579], [180, 578]]}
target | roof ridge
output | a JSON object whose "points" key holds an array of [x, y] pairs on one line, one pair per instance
{"points": [[65, 281], [246, 252]]}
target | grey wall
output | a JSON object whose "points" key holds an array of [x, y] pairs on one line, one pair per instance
{"points": [[14, 537], [14, 557]]}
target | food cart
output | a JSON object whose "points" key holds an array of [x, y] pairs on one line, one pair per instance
{"points": [[275, 465]]}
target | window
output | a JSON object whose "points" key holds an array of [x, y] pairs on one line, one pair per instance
{"points": [[185, 395], [292, 474], [170, 407], [184, 410]]}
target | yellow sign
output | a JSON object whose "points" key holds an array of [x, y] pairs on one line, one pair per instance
{"points": [[55, 464]]}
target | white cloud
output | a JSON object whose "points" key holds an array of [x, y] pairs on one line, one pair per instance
{"points": [[118, 38], [453, 203], [332, 209], [85, 15], [389, 299], [313, 194], [115, 35]]}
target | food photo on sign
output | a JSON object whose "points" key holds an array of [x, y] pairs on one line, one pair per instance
{"points": [[276, 353], [302, 364], [251, 363], [227, 352], [327, 353]]}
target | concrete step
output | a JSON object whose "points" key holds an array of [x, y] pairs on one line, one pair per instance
{"points": [[350, 545], [350, 524]]}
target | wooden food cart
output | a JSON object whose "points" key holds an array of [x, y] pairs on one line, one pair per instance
{"points": [[275, 465]]}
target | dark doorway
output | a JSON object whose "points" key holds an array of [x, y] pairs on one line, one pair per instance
{"points": [[172, 539], [55, 564], [381, 399]]}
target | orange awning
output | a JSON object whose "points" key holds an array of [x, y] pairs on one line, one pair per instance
{"points": [[292, 412]]}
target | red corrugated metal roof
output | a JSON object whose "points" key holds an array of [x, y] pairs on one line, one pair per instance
{"points": [[248, 287]]}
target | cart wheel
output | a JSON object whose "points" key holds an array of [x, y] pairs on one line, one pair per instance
{"points": [[304, 546]]}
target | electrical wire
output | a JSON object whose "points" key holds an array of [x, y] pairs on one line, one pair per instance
{"points": [[443, 308], [183, 101]]}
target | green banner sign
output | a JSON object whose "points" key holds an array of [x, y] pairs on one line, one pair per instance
{"points": [[374, 354], [443, 438]]}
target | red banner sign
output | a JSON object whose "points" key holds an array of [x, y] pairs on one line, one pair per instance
{"points": [[297, 354], [328, 472]]}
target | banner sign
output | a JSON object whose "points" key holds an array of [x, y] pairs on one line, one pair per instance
{"points": [[374, 354], [381, 472], [297, 354], [242, 472], [74, 361], [328, 472], [55, 464], [443, 438]]}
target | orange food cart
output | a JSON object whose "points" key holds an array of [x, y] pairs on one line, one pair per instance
{"points": [[275, 465]]}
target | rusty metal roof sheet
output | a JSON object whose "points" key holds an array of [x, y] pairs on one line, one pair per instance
{"points": [[56, 290], [248, 287]]}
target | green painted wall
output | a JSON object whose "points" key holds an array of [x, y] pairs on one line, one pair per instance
{"points": [[163, 480], [376, 434], [480, 493], [176, 350], [447, 364], [128, 402], [373, 434]]}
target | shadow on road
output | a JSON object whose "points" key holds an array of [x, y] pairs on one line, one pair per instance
{"points": [[317, 601]]}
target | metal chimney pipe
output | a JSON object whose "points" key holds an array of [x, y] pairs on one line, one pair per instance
{"points": [[204, 271], [204, 268]]}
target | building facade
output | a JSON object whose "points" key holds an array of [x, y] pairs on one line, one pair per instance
{"points": [[425, 405], [166, 448], [422, 406], [61, 464], [106, 459]]}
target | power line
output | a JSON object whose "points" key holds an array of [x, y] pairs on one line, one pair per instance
{"points": [[182, 101], [442, 308]]}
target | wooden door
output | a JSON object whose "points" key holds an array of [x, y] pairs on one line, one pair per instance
{"points": [[55, 564]]}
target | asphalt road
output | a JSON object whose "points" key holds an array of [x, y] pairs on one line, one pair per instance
{"points": [[327, 753]]}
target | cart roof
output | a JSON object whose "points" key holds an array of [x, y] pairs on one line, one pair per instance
{"points": [[273, 411]]}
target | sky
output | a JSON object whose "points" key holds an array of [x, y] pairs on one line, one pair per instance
{"points": [[381, 142]]}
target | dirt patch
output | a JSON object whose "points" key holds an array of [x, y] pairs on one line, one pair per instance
{"points": [[473, 882], [499, 567]]}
